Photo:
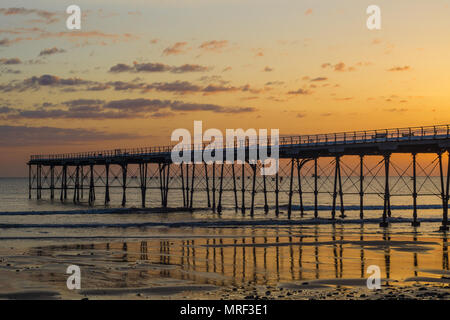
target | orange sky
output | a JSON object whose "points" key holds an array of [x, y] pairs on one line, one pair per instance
{"points": [[139, 69]]}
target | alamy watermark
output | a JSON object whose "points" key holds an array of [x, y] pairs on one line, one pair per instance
{"points": [[374, 280], [239, 146], [74, 280], [73, 22]]}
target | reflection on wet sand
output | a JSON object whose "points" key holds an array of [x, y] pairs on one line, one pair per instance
{"points": [[330, 255]]}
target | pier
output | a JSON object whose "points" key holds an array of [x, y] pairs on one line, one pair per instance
{"points": [[309, 165]]}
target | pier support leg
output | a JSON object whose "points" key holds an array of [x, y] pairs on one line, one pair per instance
{"points": [[219, 206], [444, 194], [290, 189], [300, 192], [143, 179], [414, 223], [82, 182], [341, 191], [52, 182], [214, 186], [387, 202], [39, 181], [207, 184], [162, 181], [361, 187], [107, 199], [234, 188], [266, 206], [316, 191], [243, 188], [124, 184], [277, 191], [182, 184], [65, 182], [192, 186], [91, 185], [166, 190], [252, 210], [29, 181], [63, 178], [187, 185], [333, 208], [76, 190]]}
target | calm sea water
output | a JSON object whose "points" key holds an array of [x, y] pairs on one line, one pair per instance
{"points": [[17, 211]]}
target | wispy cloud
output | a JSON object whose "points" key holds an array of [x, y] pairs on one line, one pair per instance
{"points": [[175, 49], [157, 67], [10, 61], [50, 51], [116, 109], [300, 92], [395, 69], [214, 45], [19, 136]]}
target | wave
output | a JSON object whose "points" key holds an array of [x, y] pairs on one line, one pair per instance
{"points": [[216, 223], [181, 209]]}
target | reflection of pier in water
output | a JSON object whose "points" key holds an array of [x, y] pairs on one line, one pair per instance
{"points": [[280, 257]]}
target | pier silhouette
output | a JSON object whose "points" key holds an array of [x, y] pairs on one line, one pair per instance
{"points": [[314, 161]]}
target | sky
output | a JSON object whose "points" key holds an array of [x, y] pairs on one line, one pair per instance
{"points": [[137, 70]]}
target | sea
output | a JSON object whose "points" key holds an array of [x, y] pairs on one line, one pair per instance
{"points": [[229, 249]]}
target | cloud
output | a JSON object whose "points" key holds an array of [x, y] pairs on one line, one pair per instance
{"points": [[214, 45], [300, 92], [116, 109], [157, 67], [396, 110], [137, 105], [274, 83], [10, 61], [121, 67], [344, 99], [79, 38], [338, 67], [175, 49], [6, 42], [376, 41], [83, 102], [5, 109], [50, 51], [49, 17], [319, 79], [404, 68], [10, 71], [153, 105], [189, 68], [182, 106], [78, 84], [164, 114], [176, 86], [46, 80], [151, 67], [19, 136]]}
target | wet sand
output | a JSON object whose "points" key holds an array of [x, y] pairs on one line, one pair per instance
{"points": [[292, 262]]}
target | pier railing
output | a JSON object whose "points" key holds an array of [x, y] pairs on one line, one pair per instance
{"points": [[339, 138]]}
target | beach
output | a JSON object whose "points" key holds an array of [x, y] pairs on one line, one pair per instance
{"points": [[304, 262]]}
